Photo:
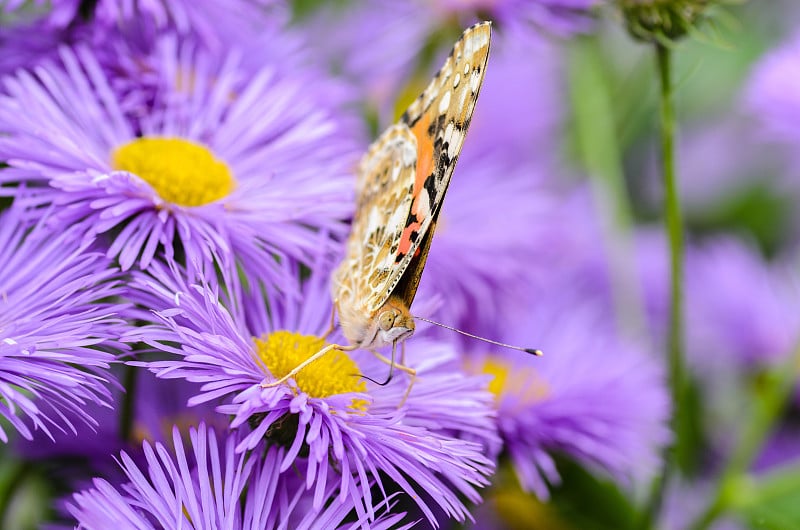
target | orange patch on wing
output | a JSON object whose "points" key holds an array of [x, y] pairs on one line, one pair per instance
{"points": [[424, 151], [424, 168]]}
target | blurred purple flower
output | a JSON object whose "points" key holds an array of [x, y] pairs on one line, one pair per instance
{"points": [[684, 501], [487, 245], [720, 159], [772, 102], [592, 396], [57, 336], [26, 43], [216, 24], [739, 306], [195, 170], [211, 487], [521, 113], [773, 93], [373, 46], [556, 17], [325, 413]]}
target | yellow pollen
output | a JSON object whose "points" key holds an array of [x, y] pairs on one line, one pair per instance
{"points": [[522, 381], [181, 172], [333, 373]]}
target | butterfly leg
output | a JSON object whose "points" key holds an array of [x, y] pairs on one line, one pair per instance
{"points": [[412, 380], [296, 370], [333, 325], [390, 362]]}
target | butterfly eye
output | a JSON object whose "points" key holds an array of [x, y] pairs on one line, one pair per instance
{"points": [[386, 320]]}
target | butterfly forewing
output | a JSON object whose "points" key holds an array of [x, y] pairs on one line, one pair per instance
{"points": [[402, 181], [439, 119]]}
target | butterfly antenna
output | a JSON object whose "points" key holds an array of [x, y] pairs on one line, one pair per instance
{"points": [[532, 351]]}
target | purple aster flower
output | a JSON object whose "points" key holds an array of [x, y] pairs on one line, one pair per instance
{"points": [[374, 46], [592, 396], [557, 17], [684, 501], [479, 261], [721, 159], [156, 407], [57, 336], [771, 101], [28, 40], [326, 412], [773, 93], [207, 486], [216, 24], [233, 163], [20, 8], [740, 307], [521, 114]]}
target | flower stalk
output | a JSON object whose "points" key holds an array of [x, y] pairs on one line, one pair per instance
{"points": [[673, 221], [771, 395]]}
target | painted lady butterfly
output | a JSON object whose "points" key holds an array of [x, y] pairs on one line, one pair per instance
{"points": [[402, 180]]}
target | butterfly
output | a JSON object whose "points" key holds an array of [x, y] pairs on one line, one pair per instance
{"points": [[402, 181]]}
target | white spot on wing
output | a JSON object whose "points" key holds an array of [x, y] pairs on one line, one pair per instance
{"points": [[444, 104]]}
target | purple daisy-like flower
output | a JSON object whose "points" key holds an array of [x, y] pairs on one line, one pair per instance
{"points": [[557, 17], [57, 336], [216, 24], [326, 412], [592, 396], [740, 307], [29, 38], [373, 45], [229, 162], [156, 407], [521, 113], [207, 486], [772, 94], [479, 261], [770, 99]]}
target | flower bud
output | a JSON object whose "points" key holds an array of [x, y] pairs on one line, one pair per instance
{"points": [[659, 20]]}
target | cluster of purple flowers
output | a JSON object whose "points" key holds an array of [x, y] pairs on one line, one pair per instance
{"points": [[176, 183]]}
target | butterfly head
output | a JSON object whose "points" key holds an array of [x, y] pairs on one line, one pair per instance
{"points": [[393, 323]]}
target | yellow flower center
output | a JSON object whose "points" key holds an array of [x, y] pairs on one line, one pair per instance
{"points": [[522, 381], [333, 373], [181, 172], [518, 509]]}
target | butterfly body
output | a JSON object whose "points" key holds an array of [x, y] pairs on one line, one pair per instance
{"points": [[402, 180]]}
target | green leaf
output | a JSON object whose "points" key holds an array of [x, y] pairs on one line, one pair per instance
{"points": [[770, 502], [588, 502]]}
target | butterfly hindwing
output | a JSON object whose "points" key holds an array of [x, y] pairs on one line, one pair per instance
{"points": [[385, 182]]}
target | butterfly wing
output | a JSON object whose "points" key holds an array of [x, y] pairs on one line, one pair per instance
{"points": [[438, 119], [402, 181], [384, 189]]}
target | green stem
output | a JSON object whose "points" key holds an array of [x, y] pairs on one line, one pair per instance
{"points": [[770, 399], [14, 475], [130, 377], [677, 454]]}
